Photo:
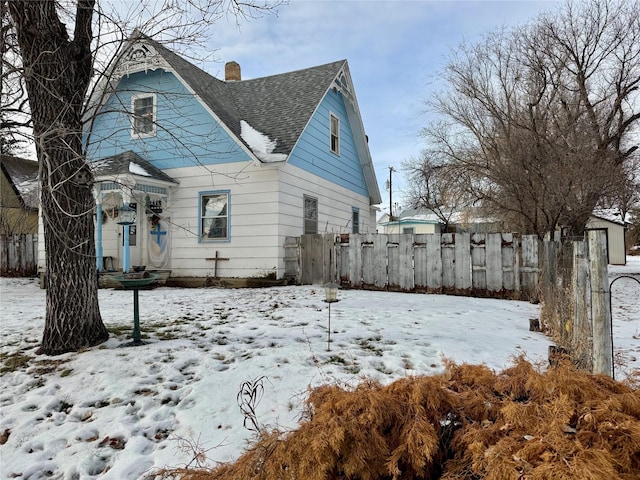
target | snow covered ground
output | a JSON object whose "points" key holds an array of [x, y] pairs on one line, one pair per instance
{"points": [[115, 412]]}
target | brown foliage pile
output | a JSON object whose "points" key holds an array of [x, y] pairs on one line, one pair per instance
{"points": [[467, 423]]}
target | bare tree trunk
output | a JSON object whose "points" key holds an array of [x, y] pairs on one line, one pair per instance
{"points": [[57, 73]]}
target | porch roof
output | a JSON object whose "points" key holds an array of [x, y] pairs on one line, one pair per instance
{"points": [[129, 163]]}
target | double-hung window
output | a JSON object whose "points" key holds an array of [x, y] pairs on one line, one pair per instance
{"points": [[335, 134], [310, 215], [143, 121], [214, 216]]}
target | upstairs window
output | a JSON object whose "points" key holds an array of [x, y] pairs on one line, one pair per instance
{"points": [[214, 216], [310, 215], [335, 134], [143, 122]]}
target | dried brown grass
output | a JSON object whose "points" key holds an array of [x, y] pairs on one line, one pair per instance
{"points": [[468, 423]]}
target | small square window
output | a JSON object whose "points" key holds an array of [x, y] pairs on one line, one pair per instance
{"points": [[335, 134], [214, 216], [143, 120]]}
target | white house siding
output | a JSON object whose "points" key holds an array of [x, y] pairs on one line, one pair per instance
{"points": [[615, 236], [258, 226], [335, 204], [42, 265], [418, 228], [253, 245]]}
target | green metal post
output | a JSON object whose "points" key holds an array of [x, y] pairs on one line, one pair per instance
{"points": [[137, 340]]}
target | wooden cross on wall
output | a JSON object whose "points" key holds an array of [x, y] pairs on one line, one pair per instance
{"points": [[216, 259]]}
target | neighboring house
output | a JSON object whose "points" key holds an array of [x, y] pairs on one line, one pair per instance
{"points": [[410, 221], [220, 172], [18, 195], [611, 221], [427, 221]]}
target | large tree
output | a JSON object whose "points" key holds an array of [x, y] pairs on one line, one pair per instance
{"points": [[536, 123], [57, 45]]}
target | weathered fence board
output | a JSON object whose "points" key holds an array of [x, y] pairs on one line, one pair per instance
{"points": [[493, 253], [509, 260], [292, 258], [374, 260], [420, 261], [318, 259], [478, 261], [18, 255], [581, 293], [448, 260], [530, 261], [434, 263], [462, 261], [354, 261], [393, 261], [405, 251]]}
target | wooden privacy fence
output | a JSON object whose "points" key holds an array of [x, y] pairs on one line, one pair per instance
{"points": [[479, 264], [18, 255]]}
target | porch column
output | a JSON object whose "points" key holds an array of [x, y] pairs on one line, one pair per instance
{"points": [[99, 254], [126, 254], [98, 240]]}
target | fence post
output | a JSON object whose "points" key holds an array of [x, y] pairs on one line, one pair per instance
{"points": [[600, 309], [581, 341]]}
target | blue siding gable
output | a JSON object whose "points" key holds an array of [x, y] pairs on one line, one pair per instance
{"points": [[186, 133], [313, 153]]}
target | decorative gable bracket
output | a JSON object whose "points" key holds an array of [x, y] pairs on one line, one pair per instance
{"points": [[342, 83], [140, 57]]}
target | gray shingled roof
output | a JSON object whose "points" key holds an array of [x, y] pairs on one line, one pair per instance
{"points": [[23, 176], [294, 96], [278, 106], [120, 164]]}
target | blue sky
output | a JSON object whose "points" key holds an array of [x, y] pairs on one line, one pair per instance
{"points": [[394, 49]]}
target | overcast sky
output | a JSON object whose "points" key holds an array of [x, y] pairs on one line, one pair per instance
{"points": [[394, 50]]}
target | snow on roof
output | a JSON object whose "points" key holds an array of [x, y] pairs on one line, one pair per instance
{"points": [[138, 170], [22, 173], [422, 217], [611, 214], [261, 145]]}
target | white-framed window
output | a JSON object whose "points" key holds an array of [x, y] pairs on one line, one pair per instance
{"points": [[355, 220], [214, 216], [143, 115], [310, 215], [335, 133]]}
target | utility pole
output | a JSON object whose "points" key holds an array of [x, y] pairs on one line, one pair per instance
{"points": [[391, 170]]}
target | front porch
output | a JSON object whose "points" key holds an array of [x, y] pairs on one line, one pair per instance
{"points": [[128, 184]]}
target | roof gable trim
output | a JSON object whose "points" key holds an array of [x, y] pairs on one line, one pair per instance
{"points": [[139, 57]]}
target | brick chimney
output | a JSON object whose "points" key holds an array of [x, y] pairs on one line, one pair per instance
{"points": [[232, 72]]}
